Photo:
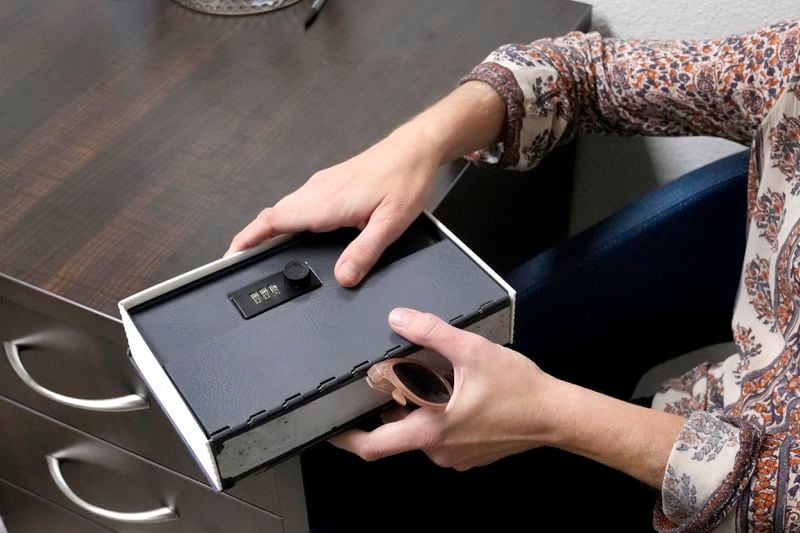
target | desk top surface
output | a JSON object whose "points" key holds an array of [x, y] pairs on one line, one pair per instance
{"points": [[136, 138]]}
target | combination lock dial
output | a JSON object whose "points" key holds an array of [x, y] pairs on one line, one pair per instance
{"points": [[296, 278], [297, 275]]}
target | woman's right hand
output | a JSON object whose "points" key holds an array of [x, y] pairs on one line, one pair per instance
{"points": [[383, 189], [380, 191]]}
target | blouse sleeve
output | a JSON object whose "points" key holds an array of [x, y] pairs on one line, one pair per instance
{"points": [[554, 87], [720, 467], [726, 468]]}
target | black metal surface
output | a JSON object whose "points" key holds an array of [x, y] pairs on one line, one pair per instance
{"points": [[231, 370]]}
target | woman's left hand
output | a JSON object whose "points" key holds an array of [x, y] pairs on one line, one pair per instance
{"points": [[502, 403]]}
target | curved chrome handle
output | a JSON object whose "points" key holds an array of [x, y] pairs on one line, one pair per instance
{"points": [[162, 514], [131, 402]]}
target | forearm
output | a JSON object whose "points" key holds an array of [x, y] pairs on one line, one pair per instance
{"points": [[583, 82], [469, 118], [621, 435], [712, 463]]}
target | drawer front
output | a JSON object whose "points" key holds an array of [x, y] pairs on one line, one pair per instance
{"points": [[74, 353], [111, 486], [23, 512]]}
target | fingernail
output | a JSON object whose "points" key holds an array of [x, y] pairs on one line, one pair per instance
{"points": [[399, 316], [350, 270]]}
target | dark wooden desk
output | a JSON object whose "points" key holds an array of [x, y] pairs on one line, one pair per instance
{"points": [[137, 137]]}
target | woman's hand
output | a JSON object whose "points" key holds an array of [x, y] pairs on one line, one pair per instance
{"points": [[502, 403], [380, 191]]}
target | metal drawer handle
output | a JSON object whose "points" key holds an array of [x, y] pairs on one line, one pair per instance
{"points": [[162, 514], [131, 402]]}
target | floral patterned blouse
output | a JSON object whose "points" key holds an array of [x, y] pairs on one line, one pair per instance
{"points": [[736, 463]]}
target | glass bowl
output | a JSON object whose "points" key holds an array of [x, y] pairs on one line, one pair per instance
{"points": [[235, 7]]}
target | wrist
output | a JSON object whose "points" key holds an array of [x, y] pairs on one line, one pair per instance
{"points": [[569, 431], [618, 434], [423, 139], [470, 118], [553, 401]]}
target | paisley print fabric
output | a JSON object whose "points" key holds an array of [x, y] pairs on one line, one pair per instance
{"points": [[736, 463]]}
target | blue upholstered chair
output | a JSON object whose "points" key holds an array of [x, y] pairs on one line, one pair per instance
{"points": [[655, 280]]}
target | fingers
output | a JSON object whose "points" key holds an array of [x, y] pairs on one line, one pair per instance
{"points": [[257, 231], [395, 414], [432, 332], [408, 434], [270, 222], [361, 254]]}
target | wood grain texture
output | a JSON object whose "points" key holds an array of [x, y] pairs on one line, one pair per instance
{"points": [[137, 137]]}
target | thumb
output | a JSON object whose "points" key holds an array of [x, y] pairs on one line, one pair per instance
{"points": [[432, 332]]}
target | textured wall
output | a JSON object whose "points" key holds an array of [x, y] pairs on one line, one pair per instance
{"points": [[612, 171]]}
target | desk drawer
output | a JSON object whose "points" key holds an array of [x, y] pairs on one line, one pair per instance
{"points": [[112, 486], [24, 512], [70, 351]]}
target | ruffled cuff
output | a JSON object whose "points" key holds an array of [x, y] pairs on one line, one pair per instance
{"points": [[505, 153], [537, 94], [710, 465]]}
